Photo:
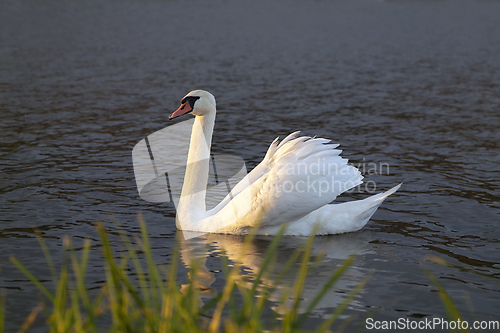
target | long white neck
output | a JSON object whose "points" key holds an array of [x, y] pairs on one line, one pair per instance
{"points": [[192, 202]]}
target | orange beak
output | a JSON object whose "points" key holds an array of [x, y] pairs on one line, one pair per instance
{"points": [[183, 109]]}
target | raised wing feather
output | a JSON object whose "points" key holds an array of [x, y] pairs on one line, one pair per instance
{"points": [[303, 175], [297, 176]]}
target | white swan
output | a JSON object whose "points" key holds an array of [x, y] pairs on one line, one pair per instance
{"points": [[294, 184]]}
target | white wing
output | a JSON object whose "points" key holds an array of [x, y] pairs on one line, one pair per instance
{"points": [[296, 177]]}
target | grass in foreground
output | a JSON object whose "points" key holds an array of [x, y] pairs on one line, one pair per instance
{"points": [[141, 296]]}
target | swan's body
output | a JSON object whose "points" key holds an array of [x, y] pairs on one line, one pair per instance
{"points": [[289, 186]]}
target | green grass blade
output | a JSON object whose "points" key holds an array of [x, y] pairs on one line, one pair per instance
{"points": [[154, 275], [450, 307], [301, 279], [31, 318], [319, 296], [33, 279], [76, 313], [138, 268], [48, 257], [271, 251], [170, 295], [120, 285], [3, 303], [338, 311], [60, 316], [79, 269]]}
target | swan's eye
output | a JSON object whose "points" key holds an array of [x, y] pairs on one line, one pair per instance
{"points": [[190, 100]]}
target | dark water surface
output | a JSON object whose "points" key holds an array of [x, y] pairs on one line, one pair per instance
{"points": [[414, 84]]}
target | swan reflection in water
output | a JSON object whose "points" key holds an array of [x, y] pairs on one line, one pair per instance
{"points": [[334, 250]]}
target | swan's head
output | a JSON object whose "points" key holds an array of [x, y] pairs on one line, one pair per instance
{"points": [[197, 102]]}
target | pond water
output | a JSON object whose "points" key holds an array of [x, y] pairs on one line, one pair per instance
{"points": [[414, 85]]}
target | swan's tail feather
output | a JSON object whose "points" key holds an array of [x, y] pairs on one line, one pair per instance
{"points": [[340, 218], [361, 211], [379, 198]]}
